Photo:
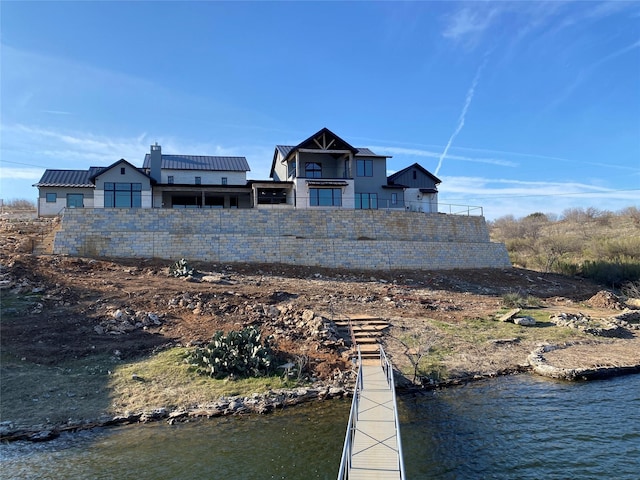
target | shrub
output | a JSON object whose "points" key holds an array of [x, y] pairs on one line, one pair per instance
{"points": [[517, 300], [181, 269], [239, 353], [611, 273]]}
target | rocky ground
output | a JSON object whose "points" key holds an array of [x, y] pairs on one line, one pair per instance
{"points": [[57, 309]]}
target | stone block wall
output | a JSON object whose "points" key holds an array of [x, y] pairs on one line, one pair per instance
{"points": [[370, 239]]}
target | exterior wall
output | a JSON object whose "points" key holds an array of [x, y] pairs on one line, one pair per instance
{"points": [[302, 195], [131, 175], [374, 240], [188, 177], [374, 183], [50, 209], [417, 201], [421, 181]]}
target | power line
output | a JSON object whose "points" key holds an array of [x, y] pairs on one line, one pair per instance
{"points": [[20, 163]]}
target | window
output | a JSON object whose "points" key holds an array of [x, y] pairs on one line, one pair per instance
{"points": [[367, 201], [313, 170], [394, 199], [122, 171], [122, 195], [52, 197], [415, 174], [364, 168], [325, 197], [75, 200], [224, 180], [198, 180], [170, 179]]}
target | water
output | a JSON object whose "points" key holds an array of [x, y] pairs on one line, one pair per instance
{"points": [[514, 427]]}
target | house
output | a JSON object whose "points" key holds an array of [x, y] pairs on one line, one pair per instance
{"points": [[164, 181], [326, 171], [195, 181], [323, 171]]}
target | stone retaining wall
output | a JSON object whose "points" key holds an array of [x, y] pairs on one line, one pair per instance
{"points": [[372, 239]]}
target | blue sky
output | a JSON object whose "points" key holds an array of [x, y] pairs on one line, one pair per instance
{"points": [[518, 107]]}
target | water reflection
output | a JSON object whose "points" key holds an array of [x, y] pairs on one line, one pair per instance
{"points": [[515, 427]]}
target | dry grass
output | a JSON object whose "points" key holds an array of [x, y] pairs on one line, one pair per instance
{"points": [[604, 353], [165, 380]]}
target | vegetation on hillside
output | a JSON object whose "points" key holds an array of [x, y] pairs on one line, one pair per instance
{"points": [[596, 244]]}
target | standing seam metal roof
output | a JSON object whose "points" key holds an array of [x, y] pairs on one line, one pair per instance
{"points": [[200, 162]]}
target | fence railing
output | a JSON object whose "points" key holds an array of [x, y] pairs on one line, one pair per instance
{"points": [[388, 370], [345, 461]]}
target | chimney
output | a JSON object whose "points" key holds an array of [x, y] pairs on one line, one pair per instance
{"points": [[155, 162]]}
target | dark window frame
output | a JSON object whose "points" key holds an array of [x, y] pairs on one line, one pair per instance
{"points": [[318, 197], [313, 170], [53, 195], [122, 195], [366, 201], [364, 167]]}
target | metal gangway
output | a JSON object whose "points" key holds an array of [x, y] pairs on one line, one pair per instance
{"points": [[372, 446]]}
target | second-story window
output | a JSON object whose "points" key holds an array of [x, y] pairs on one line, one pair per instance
{"points": [[313, 170], [364, 167], [224, 180], [198, 180], [122, 171], [170, 179]]}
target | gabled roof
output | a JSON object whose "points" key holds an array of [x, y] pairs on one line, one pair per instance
{"points": [[200, 162], [417, 166], [324, 139], [100, 171], [79, 178]]}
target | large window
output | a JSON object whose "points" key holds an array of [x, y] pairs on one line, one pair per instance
{"points": [[313, 170], [367, 201], [75, 200], [364, 168], [52, 197], [122, 195], [325, 197]]}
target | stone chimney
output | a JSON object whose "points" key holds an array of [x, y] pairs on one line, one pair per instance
{"points": [[155, 162]]}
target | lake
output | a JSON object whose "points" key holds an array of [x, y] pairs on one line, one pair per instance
{"points": [[523, 427]]}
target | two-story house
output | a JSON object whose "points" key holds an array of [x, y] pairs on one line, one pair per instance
{"points": [[323, 171], [326, 171]]}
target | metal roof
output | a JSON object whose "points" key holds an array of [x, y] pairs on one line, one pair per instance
{"points": [[67, 178], [365, 152], [200, 162], [284, 149]]}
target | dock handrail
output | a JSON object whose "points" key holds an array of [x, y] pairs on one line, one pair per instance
{"points": [[388, 370], [345, 461]]}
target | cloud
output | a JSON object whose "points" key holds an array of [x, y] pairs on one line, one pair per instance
{"points": [[463, 114], [467, 25], [499, 197], [588, 71], [11, 173], [414, 152]]}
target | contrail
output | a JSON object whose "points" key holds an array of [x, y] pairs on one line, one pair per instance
{"points": [[467, 102]]}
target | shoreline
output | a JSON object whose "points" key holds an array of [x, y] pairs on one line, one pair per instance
{"points": [[268, 402]]}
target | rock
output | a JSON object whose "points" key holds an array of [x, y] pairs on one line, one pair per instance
{"points": [[308, 315], [525, 321], [509, 315]]}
